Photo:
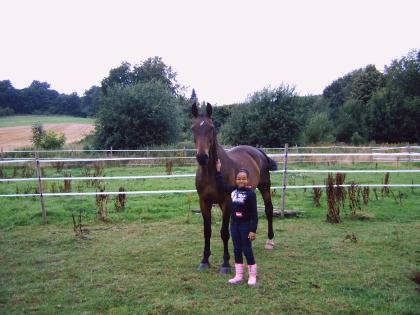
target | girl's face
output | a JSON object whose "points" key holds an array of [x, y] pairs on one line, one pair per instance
{"points": [[241, 180]]}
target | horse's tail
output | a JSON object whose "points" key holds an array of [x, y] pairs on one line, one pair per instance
{"points": [[272, 165]]}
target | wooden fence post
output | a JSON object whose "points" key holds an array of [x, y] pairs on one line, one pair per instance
{"points": [[283, 193], [40, 188], [409, 153]]}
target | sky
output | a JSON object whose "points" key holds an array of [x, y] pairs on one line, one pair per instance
{"points": [[225, 50]]}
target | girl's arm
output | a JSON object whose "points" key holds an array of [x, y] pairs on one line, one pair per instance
{"points": [[221, 185]]}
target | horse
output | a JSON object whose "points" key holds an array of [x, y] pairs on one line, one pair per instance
{"points": [[207, 152]]}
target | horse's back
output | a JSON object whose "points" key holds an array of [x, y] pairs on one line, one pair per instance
{"points": [[252, 159]]}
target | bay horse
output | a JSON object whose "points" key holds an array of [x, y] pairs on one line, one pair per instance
{"points": [[207, 152]]}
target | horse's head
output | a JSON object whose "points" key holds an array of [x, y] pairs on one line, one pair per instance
{"points": [[204, 133]]}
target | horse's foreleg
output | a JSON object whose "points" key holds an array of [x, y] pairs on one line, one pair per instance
{"points": [[224, 234], [268, 205], [206, 213]]}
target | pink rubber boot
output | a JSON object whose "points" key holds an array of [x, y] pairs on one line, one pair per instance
{"points": [[252, 280], [239, 274]]}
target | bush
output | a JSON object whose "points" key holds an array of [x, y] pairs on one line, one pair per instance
{"points": [[49, 140], [38, 133], [142, 114], [357, 139], [319, 129], [52, 140]]}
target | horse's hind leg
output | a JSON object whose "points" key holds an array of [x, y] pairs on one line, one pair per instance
{"points": [[268, 205]]}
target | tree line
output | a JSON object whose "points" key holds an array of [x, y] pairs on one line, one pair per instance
{"points": [[143, 105]]}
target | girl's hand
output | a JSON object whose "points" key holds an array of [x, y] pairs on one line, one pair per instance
{"points": [[252, 236], [218, 165]]}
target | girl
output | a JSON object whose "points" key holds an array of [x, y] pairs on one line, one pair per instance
{"points": [[244, 221]]}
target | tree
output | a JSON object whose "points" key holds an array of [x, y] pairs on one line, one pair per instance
{"points": [[121, 75], [393, 118], [394, 110], [38, 133], [90, 101], [337, 93], [319, 129], [193, 97], [365, 83], [9, 97], [271, 118], [137, 115], [404, 74], [151, 69], [155, 69], [67, 105], [351, 118]]}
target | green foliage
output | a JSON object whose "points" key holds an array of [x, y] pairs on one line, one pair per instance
{"points": [[52, 141], [141, 114], [49, 140], [351, 118], [221, 115], [38, 133], [152, 69], [271, 118], [379, 107], [6, 111], [393, 117], [404, 74], [38, 98], [357, 139], [90, 101], [319, 129]]}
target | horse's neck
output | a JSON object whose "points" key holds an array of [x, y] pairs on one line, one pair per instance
{"points": [[215, 152]]}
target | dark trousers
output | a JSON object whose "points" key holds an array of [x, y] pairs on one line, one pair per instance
{"points": [[241, 243]]}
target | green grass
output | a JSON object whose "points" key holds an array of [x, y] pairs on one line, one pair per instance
{"points": [[27, 120], [144, 260]]}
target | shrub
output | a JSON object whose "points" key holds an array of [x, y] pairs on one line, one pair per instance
{"points": [[52, 140]]}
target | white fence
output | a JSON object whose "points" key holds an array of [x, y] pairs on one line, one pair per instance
{"points": [[400, 156]]}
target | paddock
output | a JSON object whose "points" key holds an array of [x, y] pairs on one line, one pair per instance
{"points": [[144, 258]]}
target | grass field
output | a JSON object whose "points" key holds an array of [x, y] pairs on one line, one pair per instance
{"points": [[27, 120], [144, 259]]}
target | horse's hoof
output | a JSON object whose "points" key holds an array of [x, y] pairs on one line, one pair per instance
{"points": [[203, 266], [225, 270], [269, 245]]}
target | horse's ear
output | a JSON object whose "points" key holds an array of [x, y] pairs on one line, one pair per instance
{"points": [[194, 110], [209, 110]]}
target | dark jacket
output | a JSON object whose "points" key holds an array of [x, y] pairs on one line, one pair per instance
{"points": [[243, 203]]}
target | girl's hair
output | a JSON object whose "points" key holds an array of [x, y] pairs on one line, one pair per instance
{"points": [[243, 170]]}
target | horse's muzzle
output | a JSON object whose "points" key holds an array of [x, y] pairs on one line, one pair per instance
{"points": [[202, 159]]}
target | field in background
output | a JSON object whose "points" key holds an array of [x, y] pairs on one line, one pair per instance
{"points": [[15, 131], [28, 120]]}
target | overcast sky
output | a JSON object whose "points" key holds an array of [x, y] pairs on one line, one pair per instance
{"points": [[226, 50]]}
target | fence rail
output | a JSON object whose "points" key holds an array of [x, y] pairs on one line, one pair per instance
{"points": [[408, 147], [154, 192], [55, 160], [396, 156]]}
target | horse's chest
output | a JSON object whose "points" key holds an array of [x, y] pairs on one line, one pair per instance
{"points": [[208, 193]]}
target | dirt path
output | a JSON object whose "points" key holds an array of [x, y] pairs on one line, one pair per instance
{"points": [[18, 137]]}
